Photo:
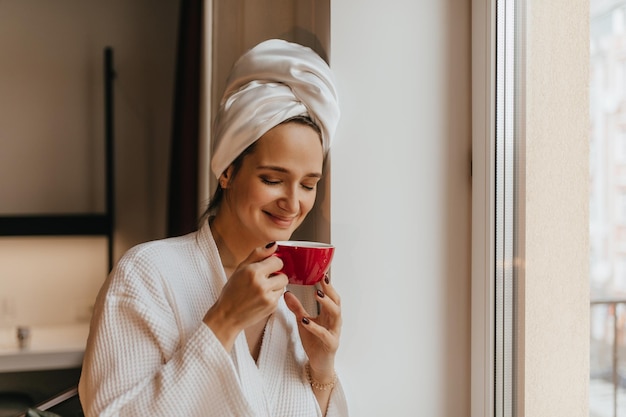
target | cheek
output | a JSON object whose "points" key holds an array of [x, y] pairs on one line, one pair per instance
{"points": [[244, 196], [260, 195], [308, 201]]}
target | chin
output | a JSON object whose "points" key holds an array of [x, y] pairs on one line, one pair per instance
{"points": [[274, 233], [281, 236]]}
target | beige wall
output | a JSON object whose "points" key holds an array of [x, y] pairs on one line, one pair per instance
{"points": [[556, 317]]}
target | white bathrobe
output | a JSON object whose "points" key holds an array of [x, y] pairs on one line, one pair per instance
{"points": [[149, 354]]}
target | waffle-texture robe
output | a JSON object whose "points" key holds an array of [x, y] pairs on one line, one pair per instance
{"points": [[150, 354]]}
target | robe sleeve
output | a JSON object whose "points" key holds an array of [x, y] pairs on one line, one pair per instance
{"points": [[136, 362], [338, 404]]}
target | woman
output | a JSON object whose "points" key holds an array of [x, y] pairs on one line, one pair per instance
{"points": [[201, 325]]}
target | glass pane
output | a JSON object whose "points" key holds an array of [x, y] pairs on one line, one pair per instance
{"points": [[601, 383], [607, 210]]}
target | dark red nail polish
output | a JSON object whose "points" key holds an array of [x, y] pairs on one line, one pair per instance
{"points": [[269, 245], [327, 279], [320, 294], [305, 320]]}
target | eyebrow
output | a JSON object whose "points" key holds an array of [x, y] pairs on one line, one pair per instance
{"points": [[286, 171]]}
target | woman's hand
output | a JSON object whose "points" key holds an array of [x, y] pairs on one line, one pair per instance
{"points": [[320, 335], [250, 295]]}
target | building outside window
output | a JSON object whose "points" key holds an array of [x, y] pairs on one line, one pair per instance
{"points": [[607, 211]]}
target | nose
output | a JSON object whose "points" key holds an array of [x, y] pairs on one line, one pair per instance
{"points": [[290, 200]]}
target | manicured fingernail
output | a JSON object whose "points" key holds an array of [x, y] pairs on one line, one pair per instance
{"points": [[305, 320], [327, 279], [320, 293], [269, 245]]}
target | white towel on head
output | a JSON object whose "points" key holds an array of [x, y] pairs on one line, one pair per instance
{"points": [[272, 82]]}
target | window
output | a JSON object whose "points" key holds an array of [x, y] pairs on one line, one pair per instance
{"points": [[607, 214]]}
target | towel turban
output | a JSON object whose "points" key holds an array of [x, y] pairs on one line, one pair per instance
{"points": [[272, 82]]}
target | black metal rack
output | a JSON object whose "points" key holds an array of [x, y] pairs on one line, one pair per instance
{"points": [[79, 224]]}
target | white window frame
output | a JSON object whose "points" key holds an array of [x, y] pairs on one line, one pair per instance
{"points": [[497, 208]]}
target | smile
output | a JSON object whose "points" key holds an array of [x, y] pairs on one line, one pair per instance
{"points": [[281, 221]]}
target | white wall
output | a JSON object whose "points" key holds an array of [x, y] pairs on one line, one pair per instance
{"points": [[400, 206]]}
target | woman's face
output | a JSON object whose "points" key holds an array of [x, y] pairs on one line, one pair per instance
{"points": [[275, 187]]}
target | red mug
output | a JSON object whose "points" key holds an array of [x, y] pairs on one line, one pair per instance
{"points": [[305, 263]]}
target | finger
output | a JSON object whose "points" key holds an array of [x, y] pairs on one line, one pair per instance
{"points": [[328, 305], [295, 305], [328, 337], [278, 282], [270, 266], [330, 310], [259, 254], [262, 263], [329, 290]]}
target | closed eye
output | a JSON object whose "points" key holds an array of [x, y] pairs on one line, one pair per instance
{"points": [[270, 181]]}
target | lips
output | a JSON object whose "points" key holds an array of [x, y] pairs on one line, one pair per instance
{"points": [[281, 221]]}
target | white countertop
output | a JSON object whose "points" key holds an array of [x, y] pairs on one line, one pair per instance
{"points": [[49, 347]]}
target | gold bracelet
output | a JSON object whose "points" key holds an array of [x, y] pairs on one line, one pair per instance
{"points": [[317, 385]]}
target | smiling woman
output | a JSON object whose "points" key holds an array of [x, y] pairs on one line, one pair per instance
{"points": [[201, 324]]}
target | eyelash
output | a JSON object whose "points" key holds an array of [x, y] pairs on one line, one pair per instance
{"points": [[268, 182]]}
